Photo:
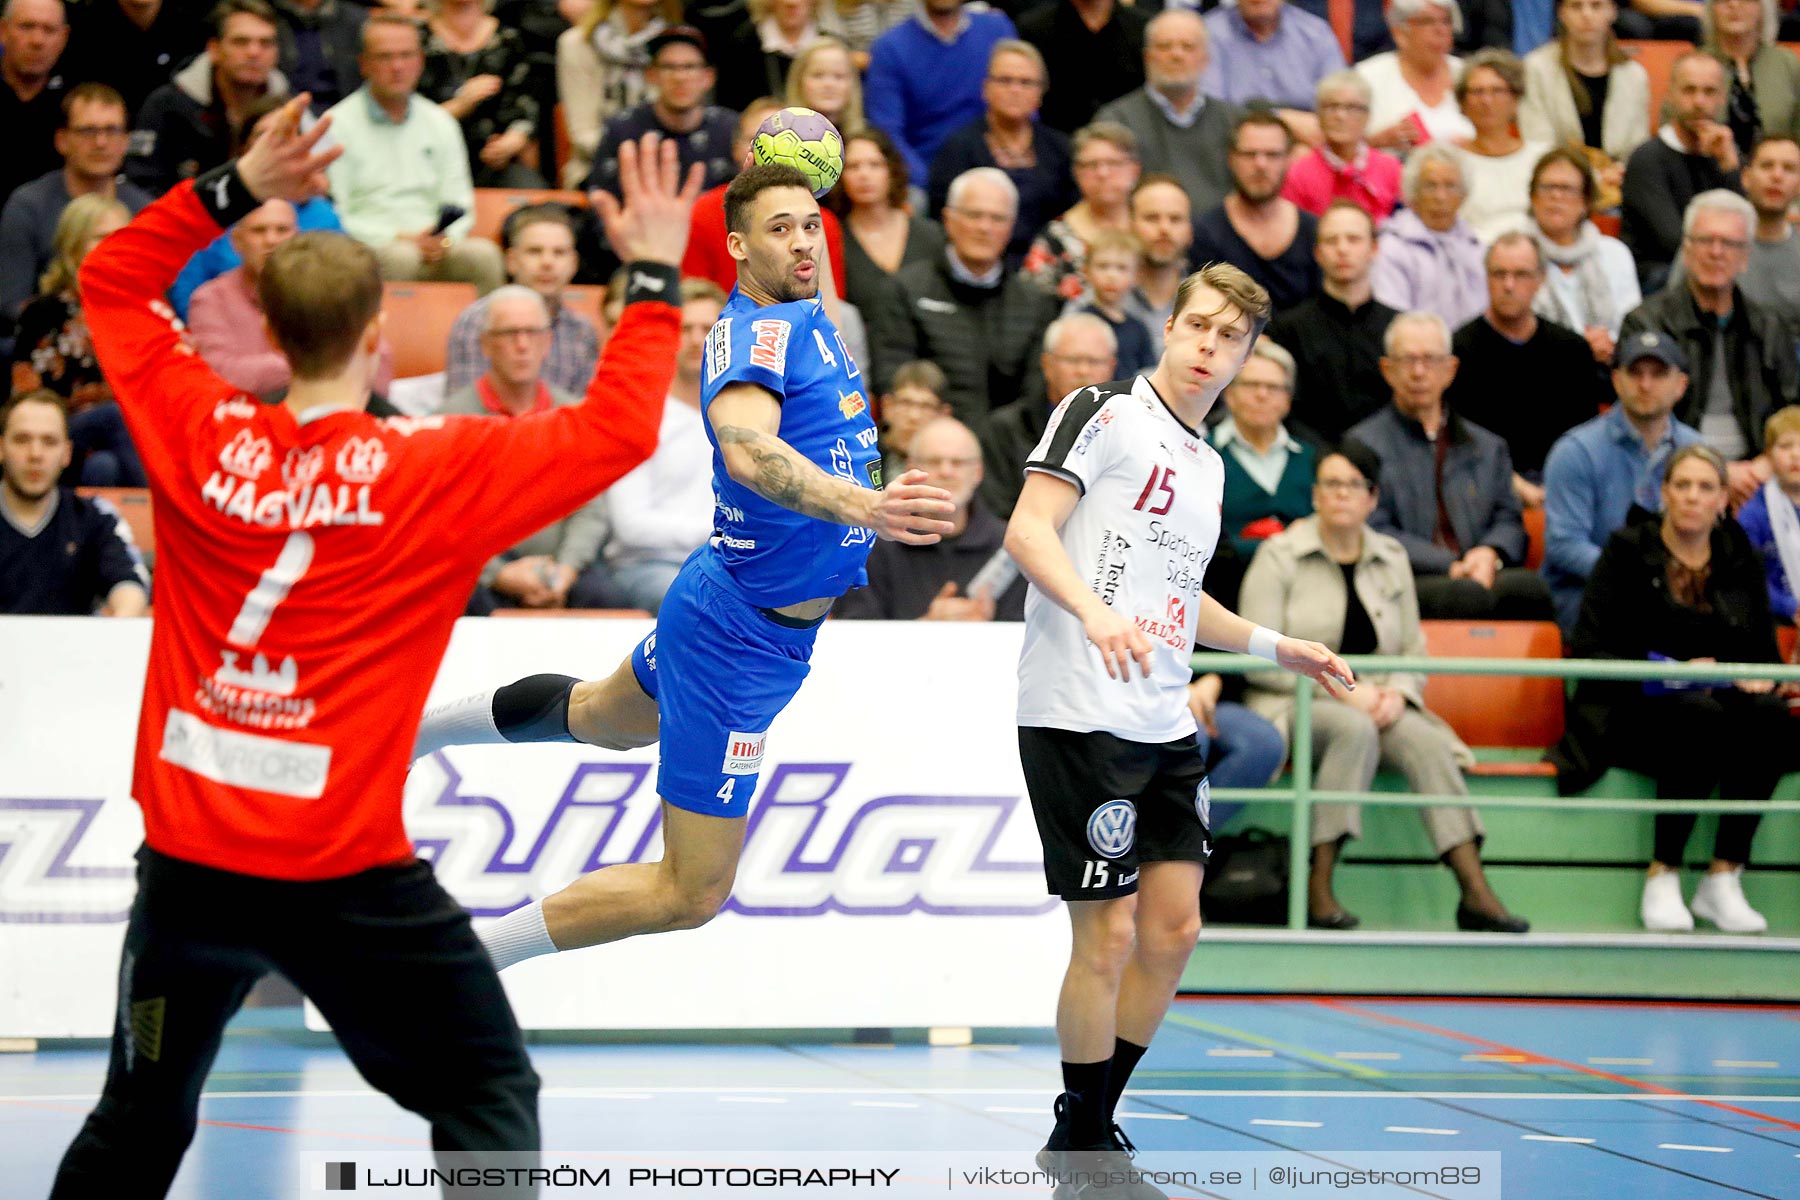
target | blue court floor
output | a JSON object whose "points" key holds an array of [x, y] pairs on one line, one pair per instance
{"points": [[1601, 1100]]}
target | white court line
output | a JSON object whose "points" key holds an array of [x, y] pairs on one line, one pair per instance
{"points": [[1701, 1149], [1417, 1129], [881, 1104], [996, 1108], [1152, 1116], [585, 1094], [1238, 1052], [1573, 1141], [1287, 1124], [1366, 1055], [752, 1099], [576, 1093], [1759, 1064], [1621, 1062]]}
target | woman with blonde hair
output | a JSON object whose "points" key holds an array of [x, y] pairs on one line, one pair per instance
{"points": [[825, 79], [52, 349], [1583, 90], [1764, 77], [600, 64], [479, 71]]}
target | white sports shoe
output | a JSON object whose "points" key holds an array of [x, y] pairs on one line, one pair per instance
{"points": [[1720, 899], [1661, 909]]}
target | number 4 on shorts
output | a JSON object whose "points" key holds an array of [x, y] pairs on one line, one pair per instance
{"points": [[725, 792]]}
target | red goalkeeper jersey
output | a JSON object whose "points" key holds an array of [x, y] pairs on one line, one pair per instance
{"points": [[309, 569]]}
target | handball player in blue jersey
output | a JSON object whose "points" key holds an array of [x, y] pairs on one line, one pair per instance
{"points": [[800, 502]]}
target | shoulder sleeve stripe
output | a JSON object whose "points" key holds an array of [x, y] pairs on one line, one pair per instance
{"points": [[1062, 473], [1084, 406]]}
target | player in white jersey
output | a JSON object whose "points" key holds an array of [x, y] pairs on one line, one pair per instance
{"points": [[1117, 522]]}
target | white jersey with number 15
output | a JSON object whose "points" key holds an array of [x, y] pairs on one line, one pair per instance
{"points": [[1141, 536]]}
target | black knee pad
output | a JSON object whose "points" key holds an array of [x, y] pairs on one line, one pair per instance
{"points": [[535, 709]]}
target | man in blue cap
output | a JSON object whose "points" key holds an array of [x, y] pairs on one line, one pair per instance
{"points": [[1603, 469]]}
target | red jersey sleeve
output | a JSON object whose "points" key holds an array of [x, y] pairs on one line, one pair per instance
{"points": [[503, 480], [164, 388]]}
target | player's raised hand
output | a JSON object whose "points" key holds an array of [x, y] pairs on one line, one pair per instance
{"points": [[1119, 641], [910, 511], [284, 161], [651, 225], [1316, 661]]}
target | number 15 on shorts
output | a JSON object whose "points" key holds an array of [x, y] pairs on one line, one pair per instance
{"points": [[1096, 874]]}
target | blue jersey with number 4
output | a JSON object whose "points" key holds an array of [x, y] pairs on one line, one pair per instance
{"points": [[775, 555]]}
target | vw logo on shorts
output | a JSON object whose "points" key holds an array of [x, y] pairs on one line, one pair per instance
{"points": [[1203, 802], [1113, 828]]}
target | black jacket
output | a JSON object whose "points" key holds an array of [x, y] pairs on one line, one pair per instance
{"points": [[1760, 368], [1627, 613], [1013, 432], [904, 580], [339, 24], [987, 340], [182, 129]]}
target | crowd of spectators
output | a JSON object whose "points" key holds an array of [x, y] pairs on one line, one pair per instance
{"points": [[1424, 187]]}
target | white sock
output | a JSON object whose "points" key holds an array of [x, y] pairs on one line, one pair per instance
{"points": [[519, 935], [465, 722]]}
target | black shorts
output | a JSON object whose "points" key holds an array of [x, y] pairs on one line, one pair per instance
{"points": [[1105, 805]]}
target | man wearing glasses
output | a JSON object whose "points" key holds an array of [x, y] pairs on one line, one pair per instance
{"points": [[1446, 487], [680, 78], [1741, 364], [554, 567], [964, 311], [92, 145]]}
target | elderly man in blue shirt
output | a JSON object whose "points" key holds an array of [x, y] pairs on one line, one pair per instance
{"points": [[1271, 52], [1603, 468]]}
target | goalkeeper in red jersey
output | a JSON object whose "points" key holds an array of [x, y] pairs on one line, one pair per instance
{"points": [[311, 561]]}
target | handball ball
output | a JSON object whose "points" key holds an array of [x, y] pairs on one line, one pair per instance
{"points": [[805, 140]]}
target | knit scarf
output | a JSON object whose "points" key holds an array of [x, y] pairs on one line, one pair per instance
{"points": [[623, 57], [1590, 279]]}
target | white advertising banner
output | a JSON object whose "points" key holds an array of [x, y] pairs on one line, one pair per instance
{"points": [[891, 873]]}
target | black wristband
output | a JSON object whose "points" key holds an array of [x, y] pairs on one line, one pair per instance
{"points": [[222, 193], [653, 281]]}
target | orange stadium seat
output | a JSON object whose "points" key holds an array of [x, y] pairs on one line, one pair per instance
{"points": [[617, 614], [134, 505], [1608, 223], [419, 316], [1534, 537], [1497, 710], [494, 205], [1785, 637]]}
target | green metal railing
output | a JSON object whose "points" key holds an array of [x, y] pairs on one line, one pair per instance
{"points": [[1301, 794]]}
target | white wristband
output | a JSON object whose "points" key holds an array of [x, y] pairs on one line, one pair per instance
{"points": [[1263, 643]]}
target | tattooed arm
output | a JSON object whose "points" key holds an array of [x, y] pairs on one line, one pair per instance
{"points": [[747, 421]]}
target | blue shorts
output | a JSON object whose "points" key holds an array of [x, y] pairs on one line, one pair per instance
{"points": [[720, 671]]}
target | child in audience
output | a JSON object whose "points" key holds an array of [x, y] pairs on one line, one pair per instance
{"points": [[1772, 516], [1114, 258]]}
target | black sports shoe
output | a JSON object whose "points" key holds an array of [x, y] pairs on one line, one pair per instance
{"points": [[1062, 1158], [1127, 1189]]}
